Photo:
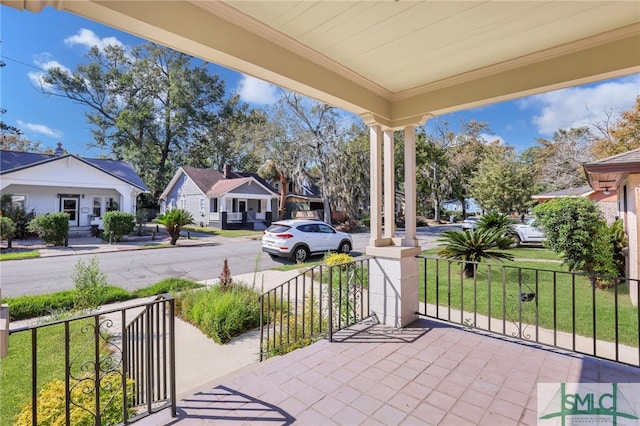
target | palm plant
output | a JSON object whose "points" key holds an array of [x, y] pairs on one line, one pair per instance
{"points": [[173, 221], [497, 221], [473, 246]]}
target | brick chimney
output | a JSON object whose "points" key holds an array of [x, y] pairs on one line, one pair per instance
{"points": [[227, 171]]}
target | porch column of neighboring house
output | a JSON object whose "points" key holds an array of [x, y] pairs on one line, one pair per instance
{"points": [[394, 270]]}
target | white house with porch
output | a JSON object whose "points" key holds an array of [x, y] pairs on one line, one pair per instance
{"points": [[84, 188], [221, 198]]}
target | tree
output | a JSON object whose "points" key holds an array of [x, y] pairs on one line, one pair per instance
{"points": [[317, 129], [349, 175], [576, 229], [623, 136], [502, 182], [19, 143], [174, 221], [473, 246], [143, 103], [558, 163]]}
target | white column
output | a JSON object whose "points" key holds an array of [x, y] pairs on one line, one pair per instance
{"points": [[389, 185], [375, 151], [410, 239]]}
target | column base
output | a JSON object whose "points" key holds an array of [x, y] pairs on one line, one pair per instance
{"points": [[393, 284]]}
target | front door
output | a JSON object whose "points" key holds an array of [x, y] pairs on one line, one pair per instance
{"points": [[242, 206], [70, 207]]}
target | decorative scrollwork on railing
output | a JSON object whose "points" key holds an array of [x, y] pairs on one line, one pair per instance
{"points": [[95, 375], [518, 307]]}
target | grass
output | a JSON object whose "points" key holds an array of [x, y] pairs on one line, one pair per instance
{"points": [[486, 291], [18, 254], [231, 233], [291, 267], [25, 307]]}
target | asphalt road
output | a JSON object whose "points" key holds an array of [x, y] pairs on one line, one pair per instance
{"points": [[140, 268]]}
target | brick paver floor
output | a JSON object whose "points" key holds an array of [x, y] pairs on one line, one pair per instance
{"points": [[428, 373]]}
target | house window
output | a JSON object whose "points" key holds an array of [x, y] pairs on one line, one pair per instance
{"points": [[112, 205], [19, 201], [214, 205], [172, 205], [183, 202], [259, 206], [201, 205], [97, 207]]}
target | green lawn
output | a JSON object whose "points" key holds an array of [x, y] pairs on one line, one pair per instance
{"points": [[496, 289], [231, 233], [19, 254], [15, 369]]}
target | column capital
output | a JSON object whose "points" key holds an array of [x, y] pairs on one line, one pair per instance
{"points": [[371, 119]]}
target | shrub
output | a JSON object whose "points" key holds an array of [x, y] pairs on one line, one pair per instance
{"points": [[91, 284], [7, 229], [18, 214], [120, 223], [577, 231], [51, 402], [472, 246], [173, 221], [32, 306], [225, 280], [220, 314], [52, 228], [337, 258], [499, 222]]}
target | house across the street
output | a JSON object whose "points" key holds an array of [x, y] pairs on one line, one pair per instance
{"points": [[221, 198], [605, 200], [84, 188]]}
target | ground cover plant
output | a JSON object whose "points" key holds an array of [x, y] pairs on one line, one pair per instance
{"points": [[16, 254], [32, 306], [220, 312], [559, 296]]}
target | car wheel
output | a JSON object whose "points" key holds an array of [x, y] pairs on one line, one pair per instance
{"points": [[345, 247], [516, 241], [300, 254]]}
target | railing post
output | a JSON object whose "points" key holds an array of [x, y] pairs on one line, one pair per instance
{"points": [[330, 290], [172, 356], [4, 330], [261, 301]]}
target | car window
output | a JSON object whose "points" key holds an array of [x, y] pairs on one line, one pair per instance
{"points": [[276, 228], [325, 229], [308, 228]]}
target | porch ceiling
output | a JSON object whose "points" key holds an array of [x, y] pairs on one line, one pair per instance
{"points": [[389, 61]]}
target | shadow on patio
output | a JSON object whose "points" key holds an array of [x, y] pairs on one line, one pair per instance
{"points": [[428, 373]]}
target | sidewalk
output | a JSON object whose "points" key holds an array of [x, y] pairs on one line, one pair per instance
{"points": [[83, 243]]}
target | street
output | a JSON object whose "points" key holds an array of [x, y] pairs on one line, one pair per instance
{"points": [[136, 269]]}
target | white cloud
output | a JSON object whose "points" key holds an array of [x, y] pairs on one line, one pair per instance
{"points": [[582, 106], [41, 129], [44, 62], [254, 91], [89, 39]]}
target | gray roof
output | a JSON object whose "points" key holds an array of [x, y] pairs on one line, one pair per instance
{"points": [[569, 192], [628, 157], [205, 179], [11, 161]]}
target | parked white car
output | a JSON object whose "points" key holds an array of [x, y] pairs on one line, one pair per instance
{"points": [[298, 239], [528, 232], [470, 223]]}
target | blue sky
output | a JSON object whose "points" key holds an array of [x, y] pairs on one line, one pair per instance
{"points": [[34, 42]]}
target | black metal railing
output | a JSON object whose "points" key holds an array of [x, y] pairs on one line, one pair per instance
{"points": [[577, 312], [313, 305], [117, 365]]}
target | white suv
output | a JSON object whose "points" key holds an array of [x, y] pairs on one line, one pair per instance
{"points": [[297, 239]]}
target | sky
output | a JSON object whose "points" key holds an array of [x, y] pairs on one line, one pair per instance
{"points": [[31, 43]]}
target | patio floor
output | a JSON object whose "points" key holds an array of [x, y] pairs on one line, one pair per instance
{"points": [[428, 373]]}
